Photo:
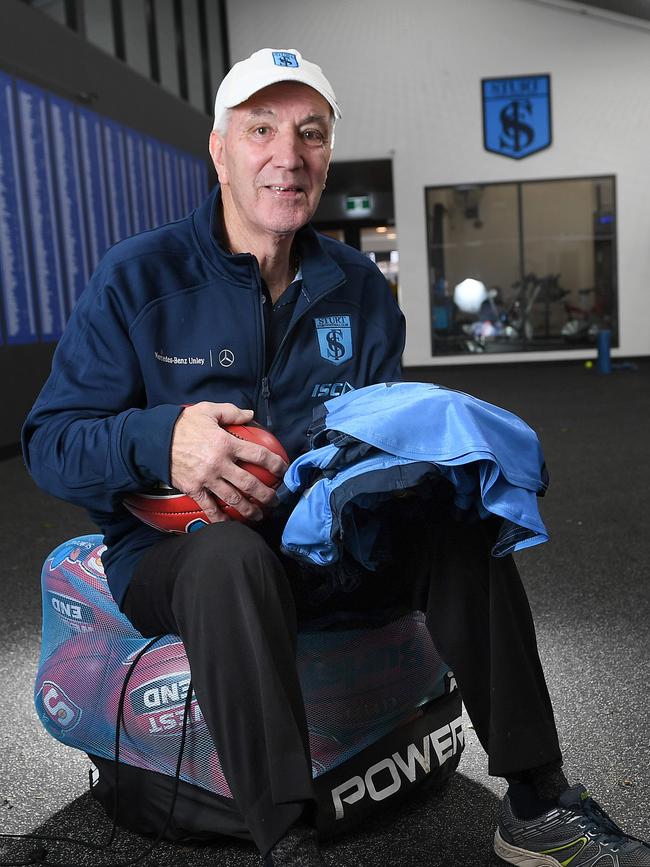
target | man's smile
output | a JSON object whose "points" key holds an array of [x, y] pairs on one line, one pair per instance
{"points": [[285, 189]]}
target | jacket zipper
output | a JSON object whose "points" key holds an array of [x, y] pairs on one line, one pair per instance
{"points": [[266, 394], [262, 409], [266, 391]]}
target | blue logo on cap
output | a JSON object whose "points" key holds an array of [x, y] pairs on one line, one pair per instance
{"points": [[285, 58]]}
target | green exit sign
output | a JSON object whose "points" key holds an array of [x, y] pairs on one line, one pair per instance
{"points": [[358, 205]]}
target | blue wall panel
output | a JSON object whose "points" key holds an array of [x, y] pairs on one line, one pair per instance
{"points": [[187, 189], [65, 149], [201, 179], [71, 184], [19, 321], [156, 179], [136, 168], [42, 215], [93, 173], [116, 175], [172, 183]]}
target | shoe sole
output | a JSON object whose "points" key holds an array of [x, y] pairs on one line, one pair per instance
{"points": [[521, 857]]}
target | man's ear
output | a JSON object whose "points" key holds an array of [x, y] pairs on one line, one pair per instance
{"points": [[217, 147]]}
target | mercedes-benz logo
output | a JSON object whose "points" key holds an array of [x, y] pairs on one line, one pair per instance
{"points": [[226, 357]]}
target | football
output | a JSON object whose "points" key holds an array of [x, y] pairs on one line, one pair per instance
{"points": [[155, 702], [68, 692], [172, 511], [364, 681]]}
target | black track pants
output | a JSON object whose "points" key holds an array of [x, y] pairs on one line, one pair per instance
{"points": [[480, 621], [224, 591]]}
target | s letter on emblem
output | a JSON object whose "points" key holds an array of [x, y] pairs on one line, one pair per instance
{"points": [[334, 338], [517, 115]]}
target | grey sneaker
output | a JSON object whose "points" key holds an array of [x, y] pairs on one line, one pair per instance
{"points": [[577, 833]]}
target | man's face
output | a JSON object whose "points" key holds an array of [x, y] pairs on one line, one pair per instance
{"points": [[273, 160]]}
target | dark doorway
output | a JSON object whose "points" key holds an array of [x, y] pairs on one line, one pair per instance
{"points": [[357, 208]]}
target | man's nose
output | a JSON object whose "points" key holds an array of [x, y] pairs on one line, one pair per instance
{"points": [[288, 150]]}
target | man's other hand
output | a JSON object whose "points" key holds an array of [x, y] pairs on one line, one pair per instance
{"points": [[204, 461]]}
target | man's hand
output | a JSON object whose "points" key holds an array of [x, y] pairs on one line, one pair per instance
{"points": [[204, 461]]}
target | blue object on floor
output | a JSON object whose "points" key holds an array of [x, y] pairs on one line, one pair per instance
{"points": [[604, 346]]}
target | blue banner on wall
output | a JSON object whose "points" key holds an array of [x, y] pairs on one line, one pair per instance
{"points": [[71, 184], [156, 182], [517, 115], [186, 182], [136, 167], [116, 175], [15, 277], [172, 183], [42, 216], [93, 173], [65, 149], [200, 180]]}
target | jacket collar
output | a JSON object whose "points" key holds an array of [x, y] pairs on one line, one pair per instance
{"points": [[320, 273]]}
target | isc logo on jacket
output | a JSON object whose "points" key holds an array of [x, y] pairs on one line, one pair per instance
{"points": [[334, 338]]}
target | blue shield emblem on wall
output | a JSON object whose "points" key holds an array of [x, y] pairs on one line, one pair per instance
{"points": [[517, 115], [334, 338]]}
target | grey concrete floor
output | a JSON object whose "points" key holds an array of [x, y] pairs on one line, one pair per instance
{"points": [[590, 593]]}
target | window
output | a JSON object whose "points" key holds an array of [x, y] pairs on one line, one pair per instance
{"points": [[180, 44], [63, 11], [523, 266]]}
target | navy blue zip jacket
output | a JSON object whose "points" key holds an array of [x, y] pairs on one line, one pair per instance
{"points": [[171, 318]]}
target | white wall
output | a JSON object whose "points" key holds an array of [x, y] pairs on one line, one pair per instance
{"points": [[407, 75]]}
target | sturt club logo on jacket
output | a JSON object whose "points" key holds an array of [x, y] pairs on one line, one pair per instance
{"points": [[334, 338]]}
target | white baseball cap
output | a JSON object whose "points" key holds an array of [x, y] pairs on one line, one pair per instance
{"points": [[265, 67]]}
